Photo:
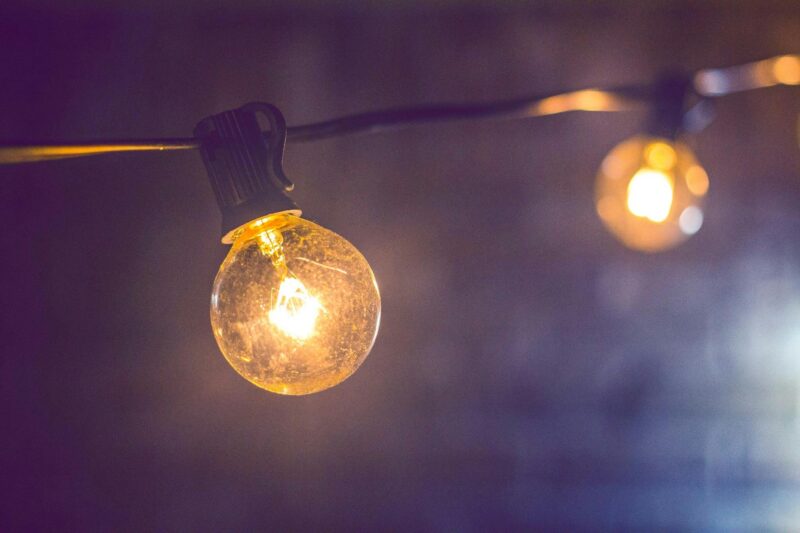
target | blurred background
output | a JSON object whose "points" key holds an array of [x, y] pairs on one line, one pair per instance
{"points": [[530, 371]]}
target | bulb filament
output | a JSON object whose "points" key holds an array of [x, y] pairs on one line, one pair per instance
{"points": [[295, 311]]}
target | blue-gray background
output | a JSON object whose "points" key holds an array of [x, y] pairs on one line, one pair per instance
{"points": [[530, 372]]}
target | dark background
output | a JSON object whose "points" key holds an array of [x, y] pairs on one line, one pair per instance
{"points": [[530, 372]]}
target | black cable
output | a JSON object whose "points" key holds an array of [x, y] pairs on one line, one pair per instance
{"points": [[618, 99], [708, 83], [607, 100]]}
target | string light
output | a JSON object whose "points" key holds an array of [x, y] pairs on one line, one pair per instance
{"points": [[295, 308], [649, 193]]}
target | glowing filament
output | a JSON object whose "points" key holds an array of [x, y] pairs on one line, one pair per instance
{"points": [[295, 312], [650, 195]]}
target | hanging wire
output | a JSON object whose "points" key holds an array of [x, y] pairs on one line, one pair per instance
{"points": [[779, 70], [623, 99], [28, 153], [708, 83], [592, 100]]}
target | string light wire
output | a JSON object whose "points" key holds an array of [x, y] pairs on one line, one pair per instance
{"points": [[706, 83]]}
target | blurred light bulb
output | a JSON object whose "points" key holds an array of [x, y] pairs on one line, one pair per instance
{"points": [[295, 307], [649, 193]]}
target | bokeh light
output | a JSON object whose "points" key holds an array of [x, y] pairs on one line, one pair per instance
{"points": [[649, 193]]}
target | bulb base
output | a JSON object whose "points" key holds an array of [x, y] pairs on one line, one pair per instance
{"points": [[245, 164], [671, 94]]}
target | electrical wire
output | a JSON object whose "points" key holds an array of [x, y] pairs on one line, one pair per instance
{"points": [[707, 83], [28, 153], [593, 100], [778, 70]]}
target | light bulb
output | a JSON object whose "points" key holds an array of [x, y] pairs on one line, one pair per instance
{"points": [[295, 307], [649, 193]]}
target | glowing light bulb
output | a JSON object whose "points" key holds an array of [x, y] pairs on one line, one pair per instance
{"points": [[649, 193], [295, 307]]}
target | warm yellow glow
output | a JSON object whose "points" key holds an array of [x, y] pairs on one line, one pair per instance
{"points": [[585, 100], [269, 242], [295, 311], [30, 153], [295, 308], [660, 155], [607, 208], [786, 70], [650, 195], [783, 70], [697, 180]]}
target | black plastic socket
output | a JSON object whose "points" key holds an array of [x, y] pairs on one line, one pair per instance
{"points": [[671, 97], [245, 163]]}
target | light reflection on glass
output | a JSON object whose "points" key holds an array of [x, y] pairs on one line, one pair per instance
{"points": [[691, 220], [697, 180]]}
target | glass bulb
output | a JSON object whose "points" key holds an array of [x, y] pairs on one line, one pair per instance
{"points": [[295, 307], [649, 193]]}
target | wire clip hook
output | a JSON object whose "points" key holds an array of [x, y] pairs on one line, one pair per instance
{"points": [[245, 163]]}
